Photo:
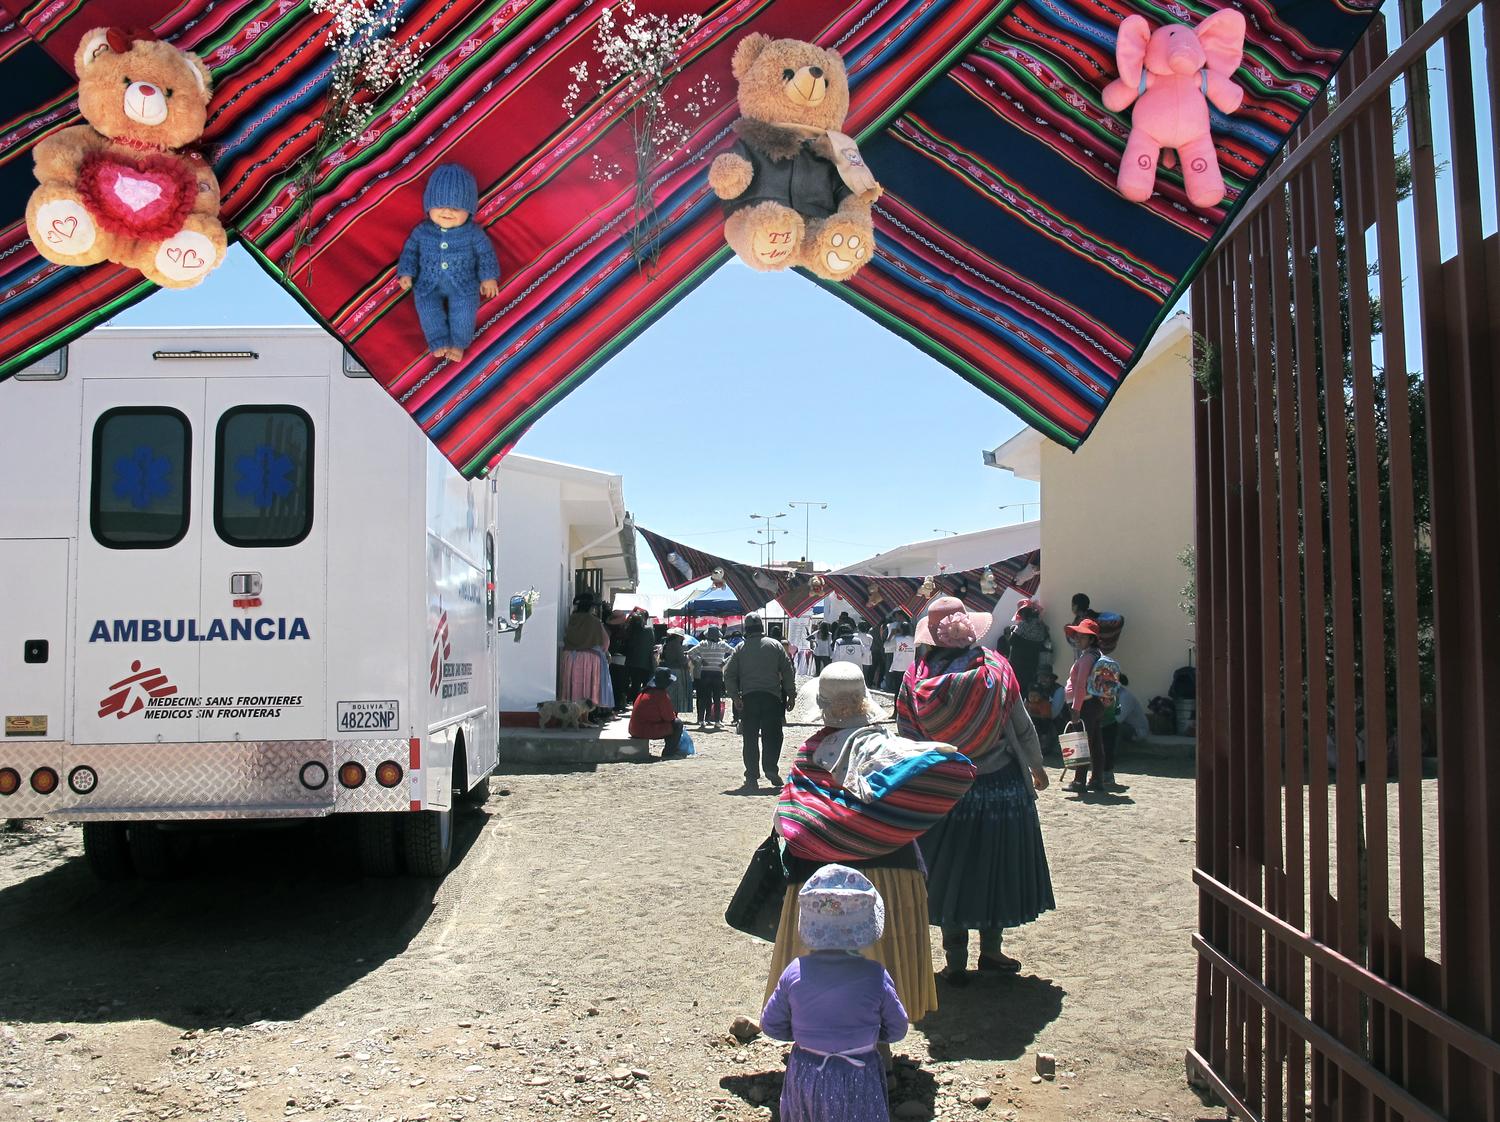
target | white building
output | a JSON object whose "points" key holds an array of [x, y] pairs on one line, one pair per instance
{"points": [[953, 553], [554, 520], [1116, 513]]}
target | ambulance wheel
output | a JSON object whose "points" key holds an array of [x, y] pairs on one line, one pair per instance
{"points": [[475, 796], [377, 844], [107, 849], [151, 851], [429, 842]]}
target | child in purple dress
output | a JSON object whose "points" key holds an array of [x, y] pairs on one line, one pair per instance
{"points": [[836, 1005]]}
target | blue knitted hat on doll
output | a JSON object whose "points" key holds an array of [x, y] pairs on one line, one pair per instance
{"points": [[451, 186], [838, 909]]}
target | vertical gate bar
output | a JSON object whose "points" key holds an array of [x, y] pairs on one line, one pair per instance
{"points": [[1417, 1059], [1216, 664], [1288, 363], [1206, 471], [1235, 379], [1303, 240], [1341, 557], [1464, 536], [1268, 670], [1354, 169]]}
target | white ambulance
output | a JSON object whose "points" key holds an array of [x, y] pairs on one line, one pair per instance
{"points": [[237, 582]]}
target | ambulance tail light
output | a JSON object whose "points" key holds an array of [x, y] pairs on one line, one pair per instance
{"points": [[388, 774], [44, 781], [10, 781], [352, 775]]}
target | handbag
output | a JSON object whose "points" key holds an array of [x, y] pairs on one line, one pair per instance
{"points": [[1075, 746], [755, 907]]}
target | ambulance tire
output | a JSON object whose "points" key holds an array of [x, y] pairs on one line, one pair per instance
{"points": [[107, 848], [151, 851], [378, 855], [429, 842], [475, 796]]}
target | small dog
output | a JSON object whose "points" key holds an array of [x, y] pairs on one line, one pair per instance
{"points": [[564, 714]]}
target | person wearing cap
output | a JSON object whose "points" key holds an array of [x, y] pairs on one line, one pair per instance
{"points": [[708, 659], [1084, 636], [654, 717], [835, 1005], [986, 861], [847, 647], [763, 684], [450, 262], [848, 732]]}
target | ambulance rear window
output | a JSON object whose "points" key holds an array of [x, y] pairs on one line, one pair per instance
{"points": [[139, 491], [263, 476]]}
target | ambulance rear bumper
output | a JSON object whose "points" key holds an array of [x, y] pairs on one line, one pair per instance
{"points": [[230, 780]]}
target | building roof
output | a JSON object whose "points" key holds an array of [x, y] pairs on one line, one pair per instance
{"points": [[956, 552], [1021, 455]]}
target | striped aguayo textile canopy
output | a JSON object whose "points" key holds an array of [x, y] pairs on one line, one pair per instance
{"points": [[1004, 250]]}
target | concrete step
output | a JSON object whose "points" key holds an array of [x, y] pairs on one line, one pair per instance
{"points": [[610, 743]]}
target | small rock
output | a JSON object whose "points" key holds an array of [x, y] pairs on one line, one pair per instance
{"points": [[59, 1037], [640, 1073], [980, 1101], [1046, 1065], [744, 1029], [1036, 1078]]}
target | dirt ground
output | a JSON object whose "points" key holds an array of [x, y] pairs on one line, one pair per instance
{"points": [[573, 965]]}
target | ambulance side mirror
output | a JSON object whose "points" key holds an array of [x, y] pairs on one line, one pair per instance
{"points": [[520, 611]]}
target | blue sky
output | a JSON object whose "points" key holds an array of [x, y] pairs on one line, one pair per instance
{"points": [[755, 390]]}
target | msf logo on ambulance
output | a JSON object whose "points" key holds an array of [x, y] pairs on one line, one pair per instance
{"points": [[130, 695], [442, 647]]}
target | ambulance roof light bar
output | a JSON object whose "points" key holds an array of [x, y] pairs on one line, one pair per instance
{"points": [[173, 355]]}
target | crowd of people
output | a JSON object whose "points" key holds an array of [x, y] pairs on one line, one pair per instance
{"points": [[881, 832]]}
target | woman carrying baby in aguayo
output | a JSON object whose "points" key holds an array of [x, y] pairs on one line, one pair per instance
{"points": [[986, 860], [857, 795]]}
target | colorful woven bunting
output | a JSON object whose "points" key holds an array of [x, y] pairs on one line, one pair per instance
{"points": [[1005, 251]]}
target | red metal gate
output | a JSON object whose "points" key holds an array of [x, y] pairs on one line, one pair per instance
{"points": [[1348, 556]]}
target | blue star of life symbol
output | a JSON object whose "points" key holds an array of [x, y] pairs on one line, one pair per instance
{"points": [[265, 475], [143, 477]]}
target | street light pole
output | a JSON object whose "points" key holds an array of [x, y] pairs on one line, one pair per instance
{"points": [[766, 518], [954, 533], [807, 505]]}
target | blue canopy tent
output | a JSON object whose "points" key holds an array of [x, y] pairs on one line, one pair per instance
{"points": [[715, 602]]}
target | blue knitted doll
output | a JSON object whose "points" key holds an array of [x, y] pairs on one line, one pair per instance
{"points": [[450, 261]]}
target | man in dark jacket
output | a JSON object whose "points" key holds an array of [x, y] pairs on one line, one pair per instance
{"points": [[761, 678]]}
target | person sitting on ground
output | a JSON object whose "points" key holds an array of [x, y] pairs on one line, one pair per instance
{"points": [[654, 717], [835, 1005], [763, 684], [1133, 722], [708, 659]]}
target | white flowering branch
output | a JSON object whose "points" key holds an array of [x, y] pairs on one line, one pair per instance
{"points": [[368, 63], [639, 58]]}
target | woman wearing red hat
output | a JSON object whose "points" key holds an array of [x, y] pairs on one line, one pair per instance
{"points": [[1084, 636]]}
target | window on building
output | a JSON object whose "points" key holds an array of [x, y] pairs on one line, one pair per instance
{"points": [[141, 478], [263, 471]]}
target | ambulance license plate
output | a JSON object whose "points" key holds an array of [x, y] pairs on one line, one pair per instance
{"points": [[369, 716]]}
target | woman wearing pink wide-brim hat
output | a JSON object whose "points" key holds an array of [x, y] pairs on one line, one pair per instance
{"points": [[987, 864]]}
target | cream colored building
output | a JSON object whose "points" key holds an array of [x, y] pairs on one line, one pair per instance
{"points": [[1116, 513]]}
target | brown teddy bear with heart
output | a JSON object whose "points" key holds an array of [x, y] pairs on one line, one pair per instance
{"points": [[796, 190], [121, 188]]}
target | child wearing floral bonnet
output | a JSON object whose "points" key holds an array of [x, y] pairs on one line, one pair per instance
{"points": [[836, 1005]]}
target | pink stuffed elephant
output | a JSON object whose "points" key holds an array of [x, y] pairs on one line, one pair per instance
{"points": [[1172, 74]]}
